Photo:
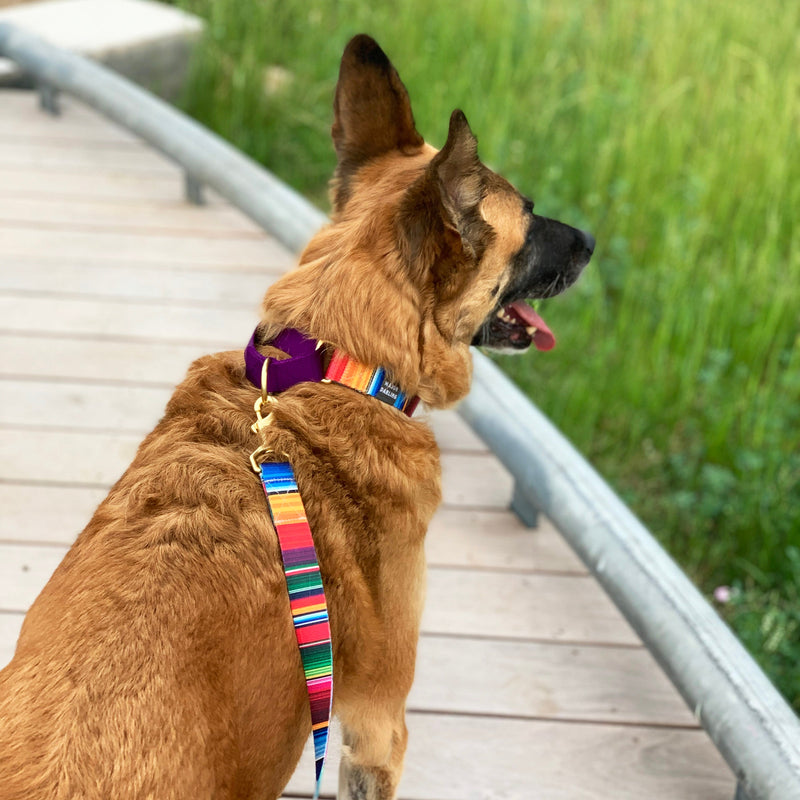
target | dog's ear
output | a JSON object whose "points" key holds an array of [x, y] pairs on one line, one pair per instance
{"points": [[459, 174], [372, 111], [444, 204]]}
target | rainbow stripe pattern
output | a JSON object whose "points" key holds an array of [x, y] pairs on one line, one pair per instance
{"points": [[306, 597], [372, 381]]}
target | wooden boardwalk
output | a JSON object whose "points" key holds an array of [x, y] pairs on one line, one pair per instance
{"points": [[109, 286]]}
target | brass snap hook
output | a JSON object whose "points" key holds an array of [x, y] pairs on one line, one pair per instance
{"points": [[265, 395], [262, 422], [261, 450]]}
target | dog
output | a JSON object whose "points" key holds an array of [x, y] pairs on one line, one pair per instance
{"points": [[160, 659]]}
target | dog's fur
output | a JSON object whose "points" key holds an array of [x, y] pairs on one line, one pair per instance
{"points": [[160, 660]]}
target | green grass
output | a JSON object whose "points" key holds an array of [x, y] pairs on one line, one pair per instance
{"points": [[671, 131]]}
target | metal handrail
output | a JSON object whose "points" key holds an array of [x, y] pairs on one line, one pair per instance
{"points": [[747, 719], [206, 157]]}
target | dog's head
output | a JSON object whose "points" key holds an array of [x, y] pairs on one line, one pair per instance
{"points": [[428, 252]]}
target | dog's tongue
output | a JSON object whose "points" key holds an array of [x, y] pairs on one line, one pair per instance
{"points": [[543, 339]]}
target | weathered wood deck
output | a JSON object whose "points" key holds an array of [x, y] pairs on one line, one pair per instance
{"points": [[109, 285]]}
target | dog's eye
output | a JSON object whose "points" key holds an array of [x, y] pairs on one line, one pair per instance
{"points": [[528, 205]]}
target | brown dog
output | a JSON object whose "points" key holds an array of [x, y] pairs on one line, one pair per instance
{"points": [[160, 660]]}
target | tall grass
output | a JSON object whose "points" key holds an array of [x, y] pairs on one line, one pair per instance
{"points": [[671, 131]]}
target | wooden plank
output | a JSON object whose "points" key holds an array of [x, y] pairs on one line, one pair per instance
{"points": [[126, 362], [24, 570], [69, 137], [475, 480], [217, 329], [281, 263], [522, 680], [453, 433], [539, 607], [125, 226], [21, 113], [141, 248], [458, 757], [81, 157], [469, 479], [86, 457], [136, 283], [544, 681], [125, 409], [45, 514], [629, 762], [72, 458], [166, 216], [497, 540], [456, 538], [10, 625], [463, 603], [27, 182]]}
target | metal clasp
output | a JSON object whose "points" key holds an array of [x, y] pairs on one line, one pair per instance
{"points": [[265, 395], [261, 450], [262, 422]]}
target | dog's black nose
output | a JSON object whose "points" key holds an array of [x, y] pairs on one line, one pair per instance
{"points": [[589, 241]]}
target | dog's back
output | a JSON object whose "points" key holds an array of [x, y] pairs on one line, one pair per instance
{"points": [[159, 661], [132, 676]]}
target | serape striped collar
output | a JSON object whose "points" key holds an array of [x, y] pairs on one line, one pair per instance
{"points": [[374, 382], [306, 363]]}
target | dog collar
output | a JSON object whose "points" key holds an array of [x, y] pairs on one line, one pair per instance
{"points": [[306, 364]]}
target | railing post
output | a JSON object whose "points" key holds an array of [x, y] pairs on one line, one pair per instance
{"points": [[48, 99], [193, 189], [527, 512], [741, 794]]}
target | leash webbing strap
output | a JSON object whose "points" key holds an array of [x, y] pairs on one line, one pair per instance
{"points": [[372, 381], [306, 597]]}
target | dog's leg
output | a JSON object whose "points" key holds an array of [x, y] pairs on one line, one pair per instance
{"points": [[372, 757]]}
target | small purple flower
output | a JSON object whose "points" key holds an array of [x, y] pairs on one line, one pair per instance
{"points": [[722, 594]]}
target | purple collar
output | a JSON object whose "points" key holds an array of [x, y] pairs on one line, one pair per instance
{"points": [[304, 362]]}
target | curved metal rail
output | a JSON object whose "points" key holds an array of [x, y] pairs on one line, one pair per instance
{"points": [[747, 719], [206, 158]]}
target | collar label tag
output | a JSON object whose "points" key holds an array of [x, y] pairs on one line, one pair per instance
{"points": [[388, 392]]}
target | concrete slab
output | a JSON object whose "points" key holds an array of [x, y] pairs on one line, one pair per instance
{"points": [[147, 41]]}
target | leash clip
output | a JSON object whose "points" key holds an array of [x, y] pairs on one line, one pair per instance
{"points": [[261, 450], [265, 399], [262, 422]]}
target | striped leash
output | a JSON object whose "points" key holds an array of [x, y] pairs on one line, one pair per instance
{"points": [[303, 581], [306, 597]]}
